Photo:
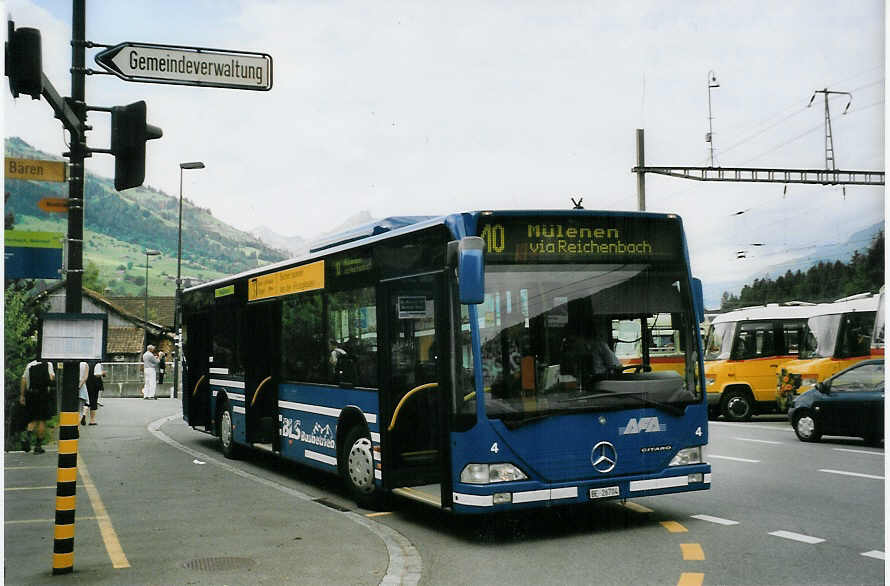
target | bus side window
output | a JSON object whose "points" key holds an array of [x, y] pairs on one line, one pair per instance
{"points": [[302, 339]]}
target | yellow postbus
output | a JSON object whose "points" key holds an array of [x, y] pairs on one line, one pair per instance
{"points": [[838, 336], [743, 351], [665, 345]]}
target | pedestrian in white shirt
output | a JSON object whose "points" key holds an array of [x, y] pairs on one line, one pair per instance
{"points": [[83, 393], [150, 361]]}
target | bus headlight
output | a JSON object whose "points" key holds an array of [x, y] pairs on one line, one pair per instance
{"points": [[687, 456], [488, 473]]}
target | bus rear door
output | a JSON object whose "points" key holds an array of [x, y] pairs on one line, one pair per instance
{"points": [[261, 324], [195, 384]]}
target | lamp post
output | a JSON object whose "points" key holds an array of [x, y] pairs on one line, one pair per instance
{"points": [[148, 252], [177, 310], [712, 83]]}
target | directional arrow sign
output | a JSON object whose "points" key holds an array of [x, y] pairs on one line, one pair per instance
{"points": [[148, 63], [54, 204]]}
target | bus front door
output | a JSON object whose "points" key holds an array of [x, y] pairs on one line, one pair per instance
{"points": [[413, 402], [195, 384]]}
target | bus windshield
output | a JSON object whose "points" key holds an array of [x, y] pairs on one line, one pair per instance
{"points": [[548, 333], [719, 342]]}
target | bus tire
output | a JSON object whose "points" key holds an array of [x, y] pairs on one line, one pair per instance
{"points": [[357, 468], [806, 426], [737, 406], [226, 432]]}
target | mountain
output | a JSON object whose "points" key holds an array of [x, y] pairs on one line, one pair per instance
{"points": [[293, 245], [120, 226], [860, 240], [297, 245]]}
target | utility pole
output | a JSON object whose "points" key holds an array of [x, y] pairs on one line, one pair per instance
{"points": [[712, 83], [829, 142]]}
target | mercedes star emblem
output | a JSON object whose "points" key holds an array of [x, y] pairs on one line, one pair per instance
{"points": [[603, 456]]}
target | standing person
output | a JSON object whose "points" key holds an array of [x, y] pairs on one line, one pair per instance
{"points": [[37, 397], [150, 361], [94, 385], [161, 366], [83, 394]]}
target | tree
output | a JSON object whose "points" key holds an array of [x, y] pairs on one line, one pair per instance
{"points": [[20, 340], [91, 278]]}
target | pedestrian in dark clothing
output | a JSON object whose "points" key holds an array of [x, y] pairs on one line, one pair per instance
{"points": [[94, 385], [161, 366], [37, 397]]}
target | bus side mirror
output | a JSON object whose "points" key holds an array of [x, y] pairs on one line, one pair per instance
{"points": [[698, 300], [471, 270]]}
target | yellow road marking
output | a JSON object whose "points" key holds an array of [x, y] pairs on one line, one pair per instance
{"points": [[692, 551], [380, 514], [112, 545], [637, 507], [691, 579], [21, 521], [673, 527], [35, 487]]}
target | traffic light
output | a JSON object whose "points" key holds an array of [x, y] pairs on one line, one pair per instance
{"points": [[129, 131], [24, 65]]}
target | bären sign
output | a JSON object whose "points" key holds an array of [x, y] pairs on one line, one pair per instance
{"points": [[35, 170]]}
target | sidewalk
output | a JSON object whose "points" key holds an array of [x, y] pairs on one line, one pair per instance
{"points": [[178, 519]]}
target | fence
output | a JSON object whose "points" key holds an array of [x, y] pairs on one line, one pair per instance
{"points": [[126, 379]]}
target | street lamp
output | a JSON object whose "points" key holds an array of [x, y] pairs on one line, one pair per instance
{"points": [[712, 83], [177, 310], [148, 252]]}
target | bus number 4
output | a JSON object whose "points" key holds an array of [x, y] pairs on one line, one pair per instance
{"points": [[698, 431], [494, 447]]}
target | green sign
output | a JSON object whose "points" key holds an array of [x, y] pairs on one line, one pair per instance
{"points": [[224, 291]]}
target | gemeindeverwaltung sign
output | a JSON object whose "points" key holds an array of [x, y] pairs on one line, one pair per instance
{"points": [[195, 66]]}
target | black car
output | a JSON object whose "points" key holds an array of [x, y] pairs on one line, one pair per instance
{"points": [[850, 403]]}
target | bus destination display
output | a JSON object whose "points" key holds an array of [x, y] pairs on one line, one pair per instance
{"points": [[561, 240]]}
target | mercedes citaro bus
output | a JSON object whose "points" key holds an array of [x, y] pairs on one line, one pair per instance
{"points": [[447, 360]]}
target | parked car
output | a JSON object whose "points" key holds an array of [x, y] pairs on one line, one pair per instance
{"points": [[850, 403]]}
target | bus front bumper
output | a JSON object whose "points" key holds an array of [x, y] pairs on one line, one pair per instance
{"points": [[470, 498]]}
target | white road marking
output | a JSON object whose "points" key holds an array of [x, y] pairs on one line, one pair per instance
{"points": [[878, 555], [844, 473], [717, 520], [872, 452], [749, 439], [797, 536], [732, 458], [750, 426]]}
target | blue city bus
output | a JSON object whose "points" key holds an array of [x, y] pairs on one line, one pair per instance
{"points": [[462, 361]]}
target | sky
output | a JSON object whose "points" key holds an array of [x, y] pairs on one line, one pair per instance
{"points": [[422, 107]]}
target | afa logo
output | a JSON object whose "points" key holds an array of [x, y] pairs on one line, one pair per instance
{"points": [[645, 424]]}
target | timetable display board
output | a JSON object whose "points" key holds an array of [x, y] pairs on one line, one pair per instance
{"points": [[307, 277]]}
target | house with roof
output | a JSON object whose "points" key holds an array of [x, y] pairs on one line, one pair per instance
{"points": [[128, 331]]}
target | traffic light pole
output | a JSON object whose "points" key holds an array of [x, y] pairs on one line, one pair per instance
{"points": [[74, 118]]}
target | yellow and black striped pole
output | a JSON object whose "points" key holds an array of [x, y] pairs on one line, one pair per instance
{"points": [[66, 478], [63, 543]]}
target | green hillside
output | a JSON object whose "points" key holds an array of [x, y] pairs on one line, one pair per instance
{"points": [[119, 226]]}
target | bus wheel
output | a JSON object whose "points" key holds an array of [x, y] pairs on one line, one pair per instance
{"points": [[806, 427], [226, 432], [357, 468], [737, 406]]}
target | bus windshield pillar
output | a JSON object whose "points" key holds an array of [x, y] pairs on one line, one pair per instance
{"points": [[477, 362]]}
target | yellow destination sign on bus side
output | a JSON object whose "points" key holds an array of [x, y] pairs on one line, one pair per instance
{"points": [[296, 280], [35, 170]]}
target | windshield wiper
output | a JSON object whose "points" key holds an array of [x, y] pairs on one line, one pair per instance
{"points": [[672, 409]]}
